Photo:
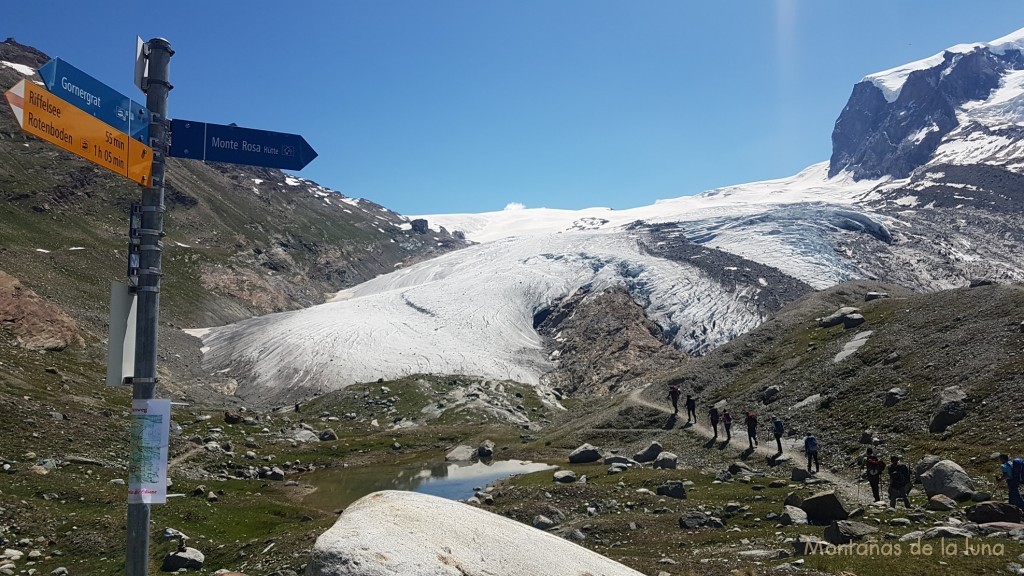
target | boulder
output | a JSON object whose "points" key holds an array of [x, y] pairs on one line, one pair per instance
{"points": [[460, 453], [328, 435], [486, 449], [985, 512], [770, 393], [846, 531], [836, 318], [800, 474], [394, 533], [584, 454], [941, 503], [542, 522], [672, 489], [692, 519], [981, 496], [951, 409], [924, 464], [565, 476], [948, 478], [303, 435], [189, 559], [648, 454], [868, 297], [615, 459], [666, 461], [793, 499], [804, 543], [893, 396], [792, 515], [852, 321], [723, 476], [738, 468], [824, 507]]}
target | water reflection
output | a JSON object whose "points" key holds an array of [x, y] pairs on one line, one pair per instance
{"points": [[338, 488]]}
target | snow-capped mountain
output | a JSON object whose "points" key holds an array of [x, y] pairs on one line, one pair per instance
{"points": [[921, 191]]}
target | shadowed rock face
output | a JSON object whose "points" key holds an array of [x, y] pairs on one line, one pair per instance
{"points": [[36, 323], [874, 137], [403, 533]]}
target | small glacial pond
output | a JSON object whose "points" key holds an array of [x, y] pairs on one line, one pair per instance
{"points": [[339, 487]]}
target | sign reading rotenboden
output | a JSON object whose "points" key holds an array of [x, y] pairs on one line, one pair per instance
{"points": [[48, 117]]}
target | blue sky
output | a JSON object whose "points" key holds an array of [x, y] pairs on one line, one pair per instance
{"points": [[466, 106]]}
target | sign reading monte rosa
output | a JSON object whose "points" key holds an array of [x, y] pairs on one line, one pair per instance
{"points": [[90, 95], [236, 145], [48, 117]]}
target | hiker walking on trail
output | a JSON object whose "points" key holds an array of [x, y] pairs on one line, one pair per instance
{"points": [[727, 422], [899, 482], [673, 394], [1013, 473], [691, 408], [751, 422], [777, 430], [713, 417], [873, 468], [811, 450]]}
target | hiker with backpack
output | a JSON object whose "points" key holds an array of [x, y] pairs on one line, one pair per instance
{"points": [[873, 469], [673, 394], [1012, 471], [899, 482], [691, 408], [811, 450], [777, 431], [713, 417], [727, 422], [751, 422]]}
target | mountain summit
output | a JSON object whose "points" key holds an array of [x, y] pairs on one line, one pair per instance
{"points": [[963, 105]]}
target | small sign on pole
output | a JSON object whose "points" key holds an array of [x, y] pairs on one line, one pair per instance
{"points": [[147, 457], [121, 335]]}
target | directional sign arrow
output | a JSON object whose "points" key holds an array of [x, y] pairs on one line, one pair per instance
{"points": [[92, 96], [44, 115], [235, 145]]}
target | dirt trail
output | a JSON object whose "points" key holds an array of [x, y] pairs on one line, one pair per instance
{"points": [[853, 492]]}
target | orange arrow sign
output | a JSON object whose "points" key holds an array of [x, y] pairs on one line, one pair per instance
{"points": [[48, 117]]}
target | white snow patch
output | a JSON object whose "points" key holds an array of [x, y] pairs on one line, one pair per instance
{"points": [[762, 282], [908, 201], [182, 245], [20, 68], [43, 251], [405, 226], [853, 345], [351, 201], [257, 181], [73, 248], [292, 181]]}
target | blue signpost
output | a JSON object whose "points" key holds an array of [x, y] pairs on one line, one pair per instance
{"points": [[235, 145], [103, 102]]}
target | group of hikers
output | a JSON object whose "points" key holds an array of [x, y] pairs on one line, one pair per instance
{"points": [[900, 479]]}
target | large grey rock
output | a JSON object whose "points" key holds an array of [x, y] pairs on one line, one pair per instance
{"points": [[941, 503], [985, 512], [460, 453], [189, 559], [740, 468], [792, 515], [846, 531], [584, 454], [836, 318], [395, 533], [893, 396], [666, 461], [565, 476], [542, 522], [951, 409], [672, 489], [948, 478], [328, 435], [824, 507], [805, 543], [692, 519], [486, 449], [303, 435], [648, 454], [793, 499], [925, 464], [616, 459]]}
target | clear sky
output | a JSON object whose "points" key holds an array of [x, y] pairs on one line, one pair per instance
{"points": [[468, 105]]}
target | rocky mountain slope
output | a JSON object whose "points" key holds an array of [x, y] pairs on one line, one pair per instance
{"points": [[240, 241]]}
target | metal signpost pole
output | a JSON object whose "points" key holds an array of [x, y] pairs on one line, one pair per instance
{"points": [[148, 290]]}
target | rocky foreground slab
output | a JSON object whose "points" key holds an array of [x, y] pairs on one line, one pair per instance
{"points": [[404, 533]]}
